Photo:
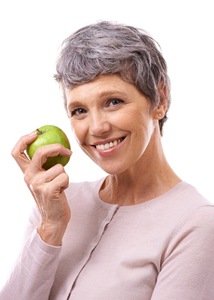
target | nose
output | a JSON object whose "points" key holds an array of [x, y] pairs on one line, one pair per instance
{"points": [[99, 124]]}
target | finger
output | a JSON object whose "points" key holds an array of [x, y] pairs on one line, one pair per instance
{"points": [[62, 181], [18, 152], [49, 193], [54, 178], [53, 172], [57, 186], [40, 183], [42, 153]]}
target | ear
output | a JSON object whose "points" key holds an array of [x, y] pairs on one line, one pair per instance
{"points": [[161, 109]]}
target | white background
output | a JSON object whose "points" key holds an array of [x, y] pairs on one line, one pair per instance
{"points": [[31, 33]]}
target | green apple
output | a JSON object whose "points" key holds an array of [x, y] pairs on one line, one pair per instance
{"points": [[49, 134]]}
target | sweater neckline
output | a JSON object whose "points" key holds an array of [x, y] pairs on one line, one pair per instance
{"points": [[174, 190]]}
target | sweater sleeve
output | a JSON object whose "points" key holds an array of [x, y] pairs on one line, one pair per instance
{"points": [[33, 274], [188, 268]]}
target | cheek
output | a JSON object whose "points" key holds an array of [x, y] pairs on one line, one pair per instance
{"points": [[139, 119], [78, 130], [143, 126], [125, 119]]}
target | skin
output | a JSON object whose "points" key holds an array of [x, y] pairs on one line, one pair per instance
{"points": [[105, 110], [47, 187], [108, 109]]}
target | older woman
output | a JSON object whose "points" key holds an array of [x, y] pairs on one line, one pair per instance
{"points": [[139, 233]]}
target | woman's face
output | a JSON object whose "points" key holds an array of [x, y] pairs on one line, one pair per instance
{"points": [[113, 122]]}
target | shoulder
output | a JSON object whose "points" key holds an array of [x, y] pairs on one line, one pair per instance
{"points": [[187, 193], [202, 219], [84, 186], [193, 208], [196, 231], [182, 212], [84, 191], [181, 202], [199, 210]]}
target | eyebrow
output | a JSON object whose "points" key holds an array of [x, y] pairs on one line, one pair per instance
{"points": [[101, 94], [74, 104]]}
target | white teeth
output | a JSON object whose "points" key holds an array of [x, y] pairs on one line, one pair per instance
{"points": [[108, 145]]}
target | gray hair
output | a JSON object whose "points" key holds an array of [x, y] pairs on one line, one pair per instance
{"points": [[110, 48]]}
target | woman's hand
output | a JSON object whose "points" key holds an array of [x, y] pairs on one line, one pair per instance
{"points": [[47, 187]]}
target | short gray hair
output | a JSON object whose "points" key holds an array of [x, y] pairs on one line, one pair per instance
{"points": [[111, 48]]}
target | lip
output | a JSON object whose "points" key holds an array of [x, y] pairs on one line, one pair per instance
{"points": [[109, 151]]}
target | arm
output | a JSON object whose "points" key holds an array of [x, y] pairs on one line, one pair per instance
{"points": [[47, 187], [34, 272], [188, 269]]}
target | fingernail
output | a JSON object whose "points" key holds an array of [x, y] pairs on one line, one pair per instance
{"points": [[68, 151], [33, 133]]}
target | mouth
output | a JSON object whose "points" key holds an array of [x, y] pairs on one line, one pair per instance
{"points": [[108, 145]]}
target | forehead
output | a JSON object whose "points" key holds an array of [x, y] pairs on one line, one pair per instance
{"points": [[101, 86]]}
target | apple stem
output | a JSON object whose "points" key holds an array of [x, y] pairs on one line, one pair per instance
{"points": [[39, 132]]}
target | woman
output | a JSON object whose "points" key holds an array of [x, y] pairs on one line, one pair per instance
{"points": [[139, 233]]}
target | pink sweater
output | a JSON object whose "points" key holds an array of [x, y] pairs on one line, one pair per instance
{"points": [[161, 250]]}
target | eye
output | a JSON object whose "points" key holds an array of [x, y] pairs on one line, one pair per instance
{"points": [[114, 102], [78, 111]]}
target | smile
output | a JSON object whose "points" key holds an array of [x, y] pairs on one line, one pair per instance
{"points": [[109, 145]]}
